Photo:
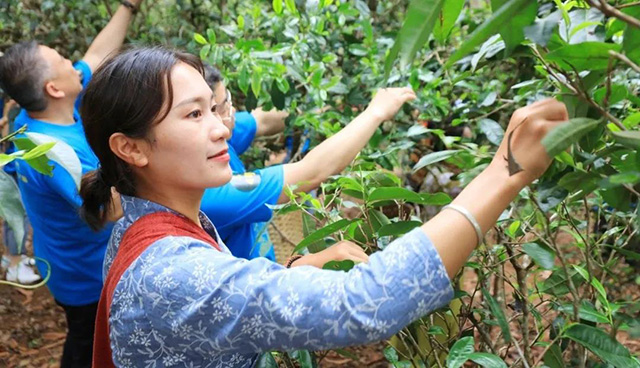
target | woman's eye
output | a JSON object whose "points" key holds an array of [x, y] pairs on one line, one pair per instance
{"points": [[195, 114], [215, 109]]}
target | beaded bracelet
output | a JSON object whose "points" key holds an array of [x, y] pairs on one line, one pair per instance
{"points": [[464, 212], [292, 259]]}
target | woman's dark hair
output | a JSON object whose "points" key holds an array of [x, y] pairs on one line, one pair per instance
{"points": [[212, 75], [128, 94]]}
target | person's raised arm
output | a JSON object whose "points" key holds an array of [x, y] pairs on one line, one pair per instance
{"points": [[112, 35], [491, 192], [269, 122], [336, 152]]}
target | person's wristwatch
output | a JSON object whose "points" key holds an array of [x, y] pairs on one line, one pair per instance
{"points": [[129, 5]]}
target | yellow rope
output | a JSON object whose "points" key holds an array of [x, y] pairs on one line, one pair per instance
{"points": [[41, 283]]}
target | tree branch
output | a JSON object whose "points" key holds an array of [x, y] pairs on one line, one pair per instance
{"points": [[609, 10]]}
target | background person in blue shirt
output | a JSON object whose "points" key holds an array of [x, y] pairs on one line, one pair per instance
{"points": [[239, 209], [48, 87]]}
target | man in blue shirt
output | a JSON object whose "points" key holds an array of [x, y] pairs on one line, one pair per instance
{"points": [[48, 88], [240, 209]]}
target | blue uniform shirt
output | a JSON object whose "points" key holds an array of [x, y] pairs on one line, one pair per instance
{"points": [[73, 250], [239, 209]]}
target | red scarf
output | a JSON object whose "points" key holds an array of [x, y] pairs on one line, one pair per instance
{"points": [[138, 237]]}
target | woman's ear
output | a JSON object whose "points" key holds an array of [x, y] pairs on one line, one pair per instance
{"points": [[130, 150]]}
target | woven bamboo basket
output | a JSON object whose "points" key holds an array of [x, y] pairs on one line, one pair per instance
{"points": [[285, 231]]}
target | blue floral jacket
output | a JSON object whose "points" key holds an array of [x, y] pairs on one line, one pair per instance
{"points": [[182, 303]]}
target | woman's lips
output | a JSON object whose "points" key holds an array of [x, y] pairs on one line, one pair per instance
{"points": [[222, 156]]}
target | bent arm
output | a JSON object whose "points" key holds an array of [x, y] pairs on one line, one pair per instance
{"points": [[331, 156], [257, 305], [336, 152], [111, 37]]}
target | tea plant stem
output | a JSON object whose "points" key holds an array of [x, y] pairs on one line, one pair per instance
{"points": [[625, 60], [563, 261], [521, 278], [565, 80], [541, 355], [483, 333], [622, 6], [614, 12]]}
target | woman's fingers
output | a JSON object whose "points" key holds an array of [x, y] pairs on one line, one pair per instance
{"points": [[359, 255], [550, 109]]}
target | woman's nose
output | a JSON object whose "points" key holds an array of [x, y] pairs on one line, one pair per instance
{"points": [[219, 130]]}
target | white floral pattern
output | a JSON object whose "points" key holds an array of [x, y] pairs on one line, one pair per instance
{"points": [[184, 304]]}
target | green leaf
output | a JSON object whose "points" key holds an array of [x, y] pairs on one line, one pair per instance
{"points": [[632, 120], [625, 178], [291, 6], [322, 232], [488, 28], [11, 208], [553, 357], [38, 151], [277, 6], [211, 35], [420, 18], [580, 180], [243, 79], [631, 40], [460, 352], [5, 159], [398, 228], [628, 138], [256, 83], [403, 194], [601, 344], [304, 357], [540, 32], [350, 355], [266, 361], [62, 154], [583, 56], [434, 157], [390, 354], [204, 52], [618, 93], [240, 22], [541, 254], [345, 265], [487, 360], [586, 312], [40, 163], [492, 130], [512, 31], [199, 38], [564, 135], [451, 10], [498, 313], [594, 282]]}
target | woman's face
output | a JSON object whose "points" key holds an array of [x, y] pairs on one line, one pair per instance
{"points": [[189, 148], [227, 111]]}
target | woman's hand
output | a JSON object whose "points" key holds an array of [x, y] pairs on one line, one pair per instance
{"points": [[341, 251], [529, 125], [387, 101]]}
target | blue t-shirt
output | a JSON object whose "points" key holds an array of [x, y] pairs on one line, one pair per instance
{"points": [[74, 251], [239, 209]]}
